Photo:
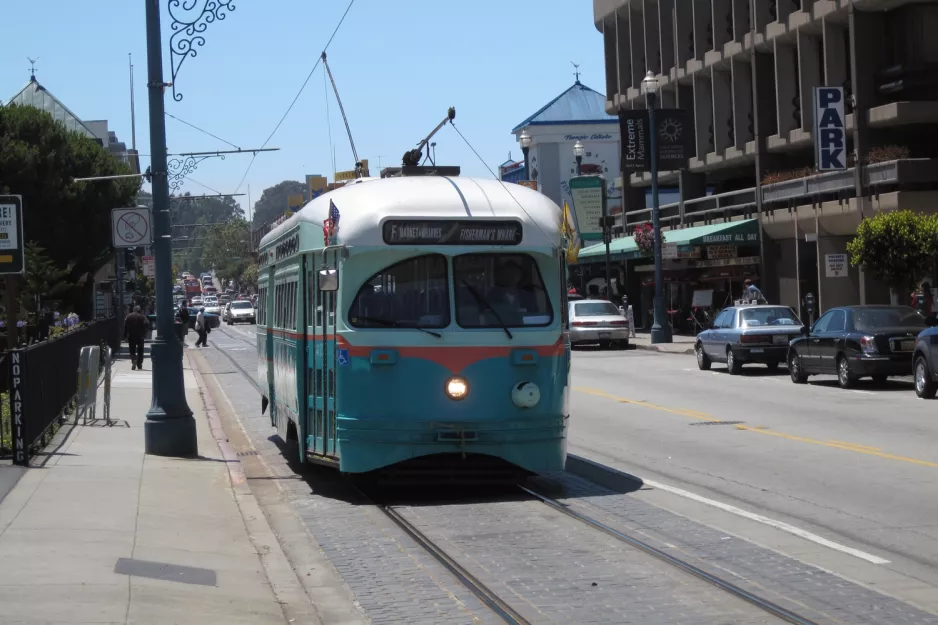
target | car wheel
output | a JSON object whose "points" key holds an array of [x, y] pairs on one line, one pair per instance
{"points": [[925, 386], [845, 377], [703, 361], [772, 366], [732, 364], [795, 370]]}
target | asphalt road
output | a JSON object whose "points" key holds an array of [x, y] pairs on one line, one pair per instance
{"points": [[858, 468], [843, 480]]}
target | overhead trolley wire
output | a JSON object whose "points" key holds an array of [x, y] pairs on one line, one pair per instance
{"points": [[500, 181], [203, 131], [298, 94]]}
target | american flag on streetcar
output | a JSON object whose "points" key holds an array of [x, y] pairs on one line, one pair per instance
{"points": [[334, 216]]}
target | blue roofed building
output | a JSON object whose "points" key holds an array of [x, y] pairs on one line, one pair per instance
{"points": [[577, 114]]}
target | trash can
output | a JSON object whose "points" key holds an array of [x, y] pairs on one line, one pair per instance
{"points": [[152, 327], [181, 330]]}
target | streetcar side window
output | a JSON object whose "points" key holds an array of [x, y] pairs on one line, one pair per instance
{"points": [[413, 293], [496, 290]]}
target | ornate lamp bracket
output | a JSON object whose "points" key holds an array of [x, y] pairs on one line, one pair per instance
{"points": [[190, 18], [182, 165]]}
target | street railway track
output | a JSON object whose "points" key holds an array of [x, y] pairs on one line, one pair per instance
{"points": [[502, 608]]}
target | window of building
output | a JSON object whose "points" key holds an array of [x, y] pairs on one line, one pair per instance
{"points": [[413, 293], [500, 290]]}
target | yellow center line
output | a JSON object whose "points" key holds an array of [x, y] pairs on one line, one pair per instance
{"points": [[693, 414]]}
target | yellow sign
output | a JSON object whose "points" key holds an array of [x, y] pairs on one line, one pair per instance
{"points": [[531, 184], [315, 186], [296, 202], [345, 175]]}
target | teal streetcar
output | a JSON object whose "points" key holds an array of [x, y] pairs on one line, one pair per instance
{"points": [[418, 320]]}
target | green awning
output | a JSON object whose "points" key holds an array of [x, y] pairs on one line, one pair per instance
{"points": [[745, 232]]}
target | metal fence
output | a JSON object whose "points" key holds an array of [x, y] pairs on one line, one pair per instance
{"points": [[41, 381]]}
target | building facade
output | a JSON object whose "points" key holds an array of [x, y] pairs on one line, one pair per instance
{"points": [[746, 81], [577, 114]]}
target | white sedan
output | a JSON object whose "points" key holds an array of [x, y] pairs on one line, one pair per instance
{"points": [[241, 310]]}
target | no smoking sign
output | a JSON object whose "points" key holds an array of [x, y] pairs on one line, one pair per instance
{"points": [[130, 227]]}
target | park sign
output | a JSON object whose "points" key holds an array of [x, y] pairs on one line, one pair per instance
{"points": [[830, 129], [12, 258]]}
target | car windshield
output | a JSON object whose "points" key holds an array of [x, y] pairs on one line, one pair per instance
{"points": [[413, 293], [241, 304], [500, 291], [594, 309], [768, 316], [875, 318]]}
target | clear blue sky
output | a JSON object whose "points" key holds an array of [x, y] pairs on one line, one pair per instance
{"points": [[398, 66]]}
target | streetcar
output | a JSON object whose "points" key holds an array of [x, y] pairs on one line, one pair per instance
{"points": [[418, 322]]}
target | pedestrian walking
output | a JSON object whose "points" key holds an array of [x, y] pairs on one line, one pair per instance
{"points": [[201, 326], [135, 329]]}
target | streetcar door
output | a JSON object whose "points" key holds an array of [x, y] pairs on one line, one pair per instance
{"points": [[315, 359], [330, 349]]}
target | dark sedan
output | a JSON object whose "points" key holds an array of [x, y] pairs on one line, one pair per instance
{"points": [[853, 342], [926, 361], [747, 334]]}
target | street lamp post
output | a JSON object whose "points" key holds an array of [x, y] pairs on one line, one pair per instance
{"points": [[579, 152], [660, 329], [525, 140]]}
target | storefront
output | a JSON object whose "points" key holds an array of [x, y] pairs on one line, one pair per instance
{"points": [[703, 271]]}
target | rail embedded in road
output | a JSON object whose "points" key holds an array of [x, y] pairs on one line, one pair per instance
{"points": [[767, 606]]}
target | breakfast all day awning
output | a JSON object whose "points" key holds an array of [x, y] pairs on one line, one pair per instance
{"points": [[745, 232]]}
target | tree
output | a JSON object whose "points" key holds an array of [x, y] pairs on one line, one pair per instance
{"points": [[898, 248], [39, 158], [249, 276], [44, 283], [227, 249], [273, 202]]}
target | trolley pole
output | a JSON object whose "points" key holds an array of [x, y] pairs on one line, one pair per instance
{"points": [[170, 428]]}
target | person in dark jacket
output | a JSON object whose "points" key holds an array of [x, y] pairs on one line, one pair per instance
{"points": [[135, 329]]}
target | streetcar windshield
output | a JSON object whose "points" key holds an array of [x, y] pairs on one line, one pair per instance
{"points": [[500, 290], [413, 293]]}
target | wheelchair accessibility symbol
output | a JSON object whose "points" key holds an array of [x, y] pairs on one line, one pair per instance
{"points": [[343, 358]]}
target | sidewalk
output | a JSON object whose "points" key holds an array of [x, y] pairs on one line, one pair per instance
{"points": [[680, 344], [103, 533]]}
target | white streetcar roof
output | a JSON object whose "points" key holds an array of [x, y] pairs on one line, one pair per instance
{"points": [[363, 207]]}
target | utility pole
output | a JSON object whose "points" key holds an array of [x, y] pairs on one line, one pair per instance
{"points": [[170, 428]]}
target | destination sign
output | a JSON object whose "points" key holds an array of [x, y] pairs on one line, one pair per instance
{"points": [[452, 232]]}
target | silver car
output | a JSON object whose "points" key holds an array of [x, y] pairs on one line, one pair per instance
{"points": [[598, 321], [241, 311], [748, 334]]}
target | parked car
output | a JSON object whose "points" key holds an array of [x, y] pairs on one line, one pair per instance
{"points": [[852, 342], [597, 321], [925, 360], [241, 311], [748, 334]]}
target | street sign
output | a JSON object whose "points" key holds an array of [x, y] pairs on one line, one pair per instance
{"points": [[346, 175], [836, 265], [589, 196], [149, 267], [830, 129], [636, 157], [130, 227], [672, 140], [11, 235]]}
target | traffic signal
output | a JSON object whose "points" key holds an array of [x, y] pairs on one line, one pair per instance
{"points": [[130, 260]]}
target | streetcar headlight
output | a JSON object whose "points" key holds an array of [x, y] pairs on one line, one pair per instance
{"points": [[525, 394], [457, 388]]}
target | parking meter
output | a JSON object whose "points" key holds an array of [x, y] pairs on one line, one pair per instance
{"points": [[920, 301], [809, 304]]}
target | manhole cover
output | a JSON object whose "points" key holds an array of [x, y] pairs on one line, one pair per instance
{"points": [[717, 422], [241, 454]]}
